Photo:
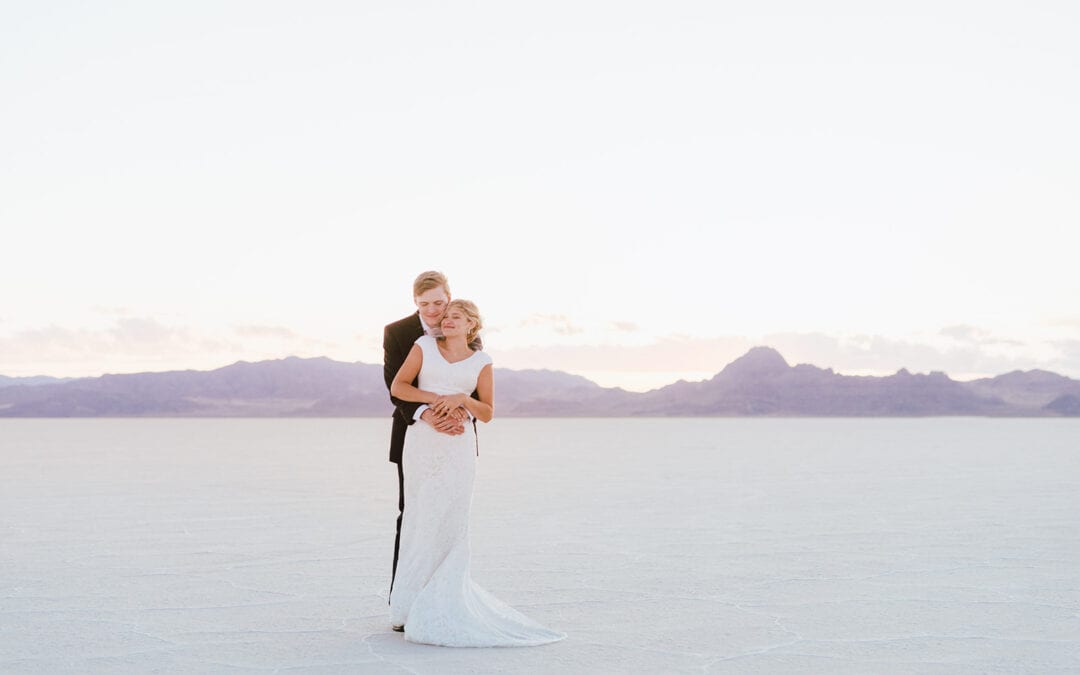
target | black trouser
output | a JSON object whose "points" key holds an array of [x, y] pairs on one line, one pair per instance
{"points": [[401, 511]]}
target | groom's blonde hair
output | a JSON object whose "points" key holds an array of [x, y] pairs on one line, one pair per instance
{"points": [[429, 280], [468, 308]]}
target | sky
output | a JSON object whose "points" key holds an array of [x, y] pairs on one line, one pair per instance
{"points": [[634, 192]]}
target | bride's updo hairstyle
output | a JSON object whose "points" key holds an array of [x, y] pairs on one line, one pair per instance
{"points": [[468, 308]]}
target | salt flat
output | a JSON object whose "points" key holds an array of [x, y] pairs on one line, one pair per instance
{"points": [[708, 545]]}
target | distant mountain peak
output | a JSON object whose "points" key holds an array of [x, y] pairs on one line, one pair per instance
{"points": [[1029, 377], [757, 362], [309, 359]]}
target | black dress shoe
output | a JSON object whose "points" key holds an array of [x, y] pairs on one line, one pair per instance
{"points": [[398, 629]]}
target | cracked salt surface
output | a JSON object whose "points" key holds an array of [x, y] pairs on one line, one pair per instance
{"points": [[698, 546]]}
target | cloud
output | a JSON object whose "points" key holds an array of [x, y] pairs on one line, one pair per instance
{"points": [[974, 335], [679, 354], [1066, 321], [558, 323], [129, 344], [265, 332], [112, 311], [879, 354], [369, 340], [963, 332], [135, 344], [284, 337], [134, 336], [1068, 357], [855, 354], [144, 331], [568, 329]]}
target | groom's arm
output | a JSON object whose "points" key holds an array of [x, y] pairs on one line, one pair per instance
{"points": [[393, 356], [394, 353]]}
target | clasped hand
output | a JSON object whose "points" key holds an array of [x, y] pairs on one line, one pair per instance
{"points": [[446, 420], [452, 404]]}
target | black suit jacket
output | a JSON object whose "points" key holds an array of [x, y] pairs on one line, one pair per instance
{"points": [[398, 339]]}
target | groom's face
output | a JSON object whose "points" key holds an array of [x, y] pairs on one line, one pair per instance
{"points": [[432, 304]]}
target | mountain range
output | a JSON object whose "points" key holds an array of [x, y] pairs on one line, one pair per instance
{"points": [[759, 383], [6, 381]]}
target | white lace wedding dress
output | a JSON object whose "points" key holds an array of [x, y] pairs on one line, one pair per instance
{"points": [[433, 594]]}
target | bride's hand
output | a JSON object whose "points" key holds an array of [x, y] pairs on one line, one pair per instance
{"points": [[444, 404]]}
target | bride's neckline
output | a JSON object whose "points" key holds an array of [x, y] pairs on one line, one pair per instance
{"points": [[438, 348]]}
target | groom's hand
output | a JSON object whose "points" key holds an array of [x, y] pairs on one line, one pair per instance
{"points": [[445, 424]]}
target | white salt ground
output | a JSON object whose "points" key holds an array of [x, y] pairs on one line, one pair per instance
{"points": [[743, 546]]}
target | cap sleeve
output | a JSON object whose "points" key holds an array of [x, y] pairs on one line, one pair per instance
{"points": [[484, 359], [425, 343]]}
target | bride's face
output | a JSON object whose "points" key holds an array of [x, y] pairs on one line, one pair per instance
{"points": [[456, 323]]}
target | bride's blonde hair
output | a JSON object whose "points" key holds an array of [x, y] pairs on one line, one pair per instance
{"points": [[468, 308]]}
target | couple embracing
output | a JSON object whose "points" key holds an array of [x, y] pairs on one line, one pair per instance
{"points": [[441, 382]]}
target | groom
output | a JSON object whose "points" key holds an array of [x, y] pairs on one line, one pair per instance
{"points": [[431, 293]]}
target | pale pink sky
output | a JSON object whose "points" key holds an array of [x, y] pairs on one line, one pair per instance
{"points": [[633, 192]]}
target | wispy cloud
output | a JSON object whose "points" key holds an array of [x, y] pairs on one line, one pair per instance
{"points": [[682, 354], [282, 337], [144, 343], [112, 311], [979, 355], [141, 332], [1068, 358], [265, 332], [1066, 321], [368, 340], [963, 332], [139, 341], [557, 323], [134, 343], [962, 352], [969, 334]]}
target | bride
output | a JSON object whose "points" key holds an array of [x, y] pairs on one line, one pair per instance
{"points": [[433, 594]]}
